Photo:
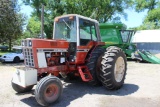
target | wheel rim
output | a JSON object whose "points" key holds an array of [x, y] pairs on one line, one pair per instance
{"points": [[51, 93], [119, 69]]}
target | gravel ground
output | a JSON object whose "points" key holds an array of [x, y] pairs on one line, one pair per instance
{"points": [[141, 89]]}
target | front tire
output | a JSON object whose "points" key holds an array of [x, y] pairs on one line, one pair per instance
{"points": [[20, 89], [48, 90], [16, 59], [114, 66]]}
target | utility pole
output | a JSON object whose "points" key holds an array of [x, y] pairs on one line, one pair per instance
{"points": [[42, 22]]}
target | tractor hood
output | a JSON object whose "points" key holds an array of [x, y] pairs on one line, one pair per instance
{"points": [[45, 43]]}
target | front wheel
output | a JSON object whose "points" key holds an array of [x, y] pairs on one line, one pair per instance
{"points": [[48, 90], [113, 68], [16, 59], [20, 89]]}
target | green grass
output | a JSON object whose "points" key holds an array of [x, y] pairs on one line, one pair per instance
{"points": [[3, 52]]}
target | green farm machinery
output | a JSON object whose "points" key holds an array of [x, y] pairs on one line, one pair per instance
{"points": [[114, 34]]}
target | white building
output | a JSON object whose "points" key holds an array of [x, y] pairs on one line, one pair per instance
{"points": [[148, 40]]}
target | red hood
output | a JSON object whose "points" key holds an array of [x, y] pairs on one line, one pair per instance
{"points": [[48, 43]]}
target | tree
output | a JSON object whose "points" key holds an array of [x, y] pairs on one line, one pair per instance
{"points": [[52, 9], [102, 10], [146, 26], [152, 20], [153, 15], [141, 5], [11, 22], [34, 27]]}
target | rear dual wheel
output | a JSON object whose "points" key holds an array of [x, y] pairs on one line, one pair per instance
{"points": [[107, 67], [113, 68], [92, 65], [48, 90]]}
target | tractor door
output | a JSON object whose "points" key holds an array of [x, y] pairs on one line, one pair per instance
{"points": [[87, 32], [87, 39]]}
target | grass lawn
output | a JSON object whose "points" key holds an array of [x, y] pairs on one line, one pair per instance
{"points": [[3, 52]]}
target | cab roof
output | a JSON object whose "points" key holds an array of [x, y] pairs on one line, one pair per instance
{"points": [[80, 16]]}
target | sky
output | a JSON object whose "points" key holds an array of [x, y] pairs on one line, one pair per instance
{"points": [[134, 19]]}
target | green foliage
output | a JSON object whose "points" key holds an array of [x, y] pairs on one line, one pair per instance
{"points": [[153, 15], [11, 21], [102, 10], [141, 5], [34, 26], [27, 34], [152, 20], [3, 52], [147, 26]]}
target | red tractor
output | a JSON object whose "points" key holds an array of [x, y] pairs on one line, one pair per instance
{"points": [[75, 50]]}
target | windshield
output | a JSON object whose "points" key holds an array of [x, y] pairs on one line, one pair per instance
{"points": [[127, 35], [17, 51], [66, 29]]}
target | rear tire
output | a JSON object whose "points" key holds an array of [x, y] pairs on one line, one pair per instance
{"points": [[20, 89], [48, 90], [114, 66], [92, 65]]}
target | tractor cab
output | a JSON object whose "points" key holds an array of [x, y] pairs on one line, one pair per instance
{"points": [[76, 28], [127, 35], [81, 32]]}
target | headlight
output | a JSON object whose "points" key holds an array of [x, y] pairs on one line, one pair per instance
{"points": [[30, 43], [8, 57]]}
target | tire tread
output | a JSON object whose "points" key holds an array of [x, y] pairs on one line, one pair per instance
{"points": [[107, 71]]}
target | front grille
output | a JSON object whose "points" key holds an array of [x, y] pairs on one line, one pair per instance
{"points": [[28, 57]]}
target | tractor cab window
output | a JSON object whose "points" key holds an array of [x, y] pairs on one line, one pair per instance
{"points": [[87, 31], [65, 28], [126, 35]]}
